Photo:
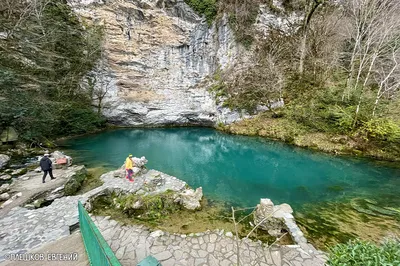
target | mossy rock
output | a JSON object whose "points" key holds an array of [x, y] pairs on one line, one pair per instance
{"points": [[75, 182]]}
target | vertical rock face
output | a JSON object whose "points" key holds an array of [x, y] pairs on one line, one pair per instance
{"points": [[158, 56]]}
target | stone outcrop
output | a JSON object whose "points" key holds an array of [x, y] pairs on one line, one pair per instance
{"points": [[4, 160], [75, 179], [5, 177], [4, 196], [278, 220], [190, 199], [159, 61], [4, 188]]}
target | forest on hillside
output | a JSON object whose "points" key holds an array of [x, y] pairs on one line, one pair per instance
{"points": [[336, 67], [45, 52]]}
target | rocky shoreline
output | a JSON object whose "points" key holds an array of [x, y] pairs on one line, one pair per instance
{"points": [[25, 226]]}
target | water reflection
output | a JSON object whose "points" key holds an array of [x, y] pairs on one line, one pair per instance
{"points": [[242, 169]]}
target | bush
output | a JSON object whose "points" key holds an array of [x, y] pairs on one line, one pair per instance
{"points": [[208, 8], [382, 129], [361, 253]]}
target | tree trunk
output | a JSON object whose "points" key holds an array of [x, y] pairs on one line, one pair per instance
{"points": [[302, 52], [304, 37], [358, 108]]}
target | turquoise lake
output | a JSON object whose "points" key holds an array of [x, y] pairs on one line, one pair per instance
{"points": [[240, 170]]}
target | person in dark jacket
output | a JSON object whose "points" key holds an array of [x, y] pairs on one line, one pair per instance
{"points": [[46, 164]]}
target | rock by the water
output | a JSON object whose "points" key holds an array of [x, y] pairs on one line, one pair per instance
{"points": [[4, 160], [277, 219], [190, 199], [5, 177], [139, 167], [76, 177], [4, 196]]}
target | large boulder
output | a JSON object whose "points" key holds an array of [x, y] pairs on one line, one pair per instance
{"points": [[75, 180], [4, 196], [138, 169], [271, 218], [5, 177], [190, 199], [4, 160], [4, 188]]}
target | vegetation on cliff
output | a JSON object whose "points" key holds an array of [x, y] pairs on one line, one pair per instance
{"points": [[45, 51], [335, 65]]}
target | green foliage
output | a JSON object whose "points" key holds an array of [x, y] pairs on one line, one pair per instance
{"points": [[361, 253], [382, 129], [42, 63], [208, 8], [150, 208]]}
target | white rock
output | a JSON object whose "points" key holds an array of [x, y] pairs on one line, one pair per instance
{"points": [[4, 160], [4, 188], [4, 196], [5, 177], [6, 203], [229, 234], [190, 199], [157, 233]]}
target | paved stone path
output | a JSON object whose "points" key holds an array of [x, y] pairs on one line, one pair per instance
{"points": [[66, 245], [23, 230], [133, 243]]}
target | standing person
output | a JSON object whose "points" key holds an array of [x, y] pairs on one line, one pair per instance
{"points": [[46, 164], [129, 167]]}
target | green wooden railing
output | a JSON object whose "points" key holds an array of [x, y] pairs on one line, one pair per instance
{"points": [[97, 249]]}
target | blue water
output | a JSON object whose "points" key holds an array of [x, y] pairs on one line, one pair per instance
{"points": [[241, 170]]}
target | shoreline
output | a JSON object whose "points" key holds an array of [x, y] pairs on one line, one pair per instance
{"points": [[227, 129]]}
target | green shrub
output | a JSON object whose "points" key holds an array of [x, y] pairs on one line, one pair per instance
{"points": [[361, 253], [382, 129], [150, 208], [208, 8]]}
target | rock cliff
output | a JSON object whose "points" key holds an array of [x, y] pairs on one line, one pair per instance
{"points": [[159, 57]]}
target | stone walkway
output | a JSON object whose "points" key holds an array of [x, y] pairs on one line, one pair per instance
{"points": [[23, 230], [67, 245], [133, 243]]}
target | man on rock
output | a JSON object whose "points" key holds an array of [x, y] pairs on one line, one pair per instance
{"points": [[46, 165]]}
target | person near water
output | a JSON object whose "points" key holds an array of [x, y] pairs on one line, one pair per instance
{"points": [[46, 165], [129, 167]]}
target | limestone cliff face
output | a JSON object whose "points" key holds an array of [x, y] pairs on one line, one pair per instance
{"points": [[158, 57]]}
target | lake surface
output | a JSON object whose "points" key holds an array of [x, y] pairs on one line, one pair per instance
{"points": [[241, 170]]}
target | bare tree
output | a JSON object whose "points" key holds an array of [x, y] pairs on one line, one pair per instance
{"points": [[374, 26], [310, 7], [388, 79], [258, 82]]}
